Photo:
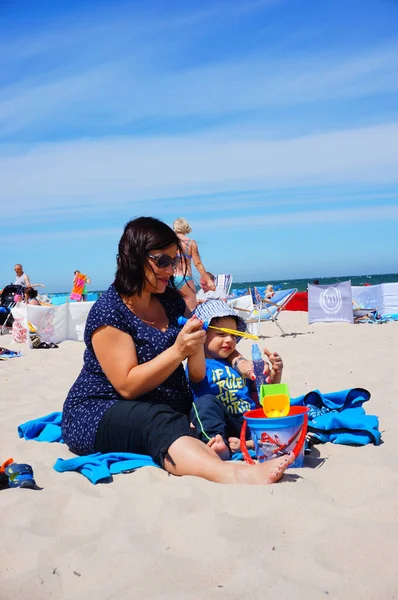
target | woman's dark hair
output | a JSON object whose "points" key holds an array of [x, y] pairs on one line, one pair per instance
{"points": [[141, 237], [30, 292]]}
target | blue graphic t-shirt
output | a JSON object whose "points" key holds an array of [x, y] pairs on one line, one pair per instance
{"points": [[227, 385]]}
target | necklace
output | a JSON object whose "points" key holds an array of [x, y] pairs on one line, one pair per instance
{"points": [[130, 307], [148, 322]]}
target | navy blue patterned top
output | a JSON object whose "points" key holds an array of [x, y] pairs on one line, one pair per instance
{"points": [[92, 393]]}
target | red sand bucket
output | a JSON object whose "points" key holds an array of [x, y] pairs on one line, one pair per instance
{"points": [[273, 437]]}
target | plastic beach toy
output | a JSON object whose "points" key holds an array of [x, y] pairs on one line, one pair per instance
{"points": [[275, 400], [274, 437], [250, 336], [20, 475]]}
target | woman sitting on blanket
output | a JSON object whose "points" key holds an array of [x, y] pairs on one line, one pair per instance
{"points": [[132, 394]]}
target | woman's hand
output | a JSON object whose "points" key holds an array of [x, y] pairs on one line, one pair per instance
{"points": [[190, 338]]}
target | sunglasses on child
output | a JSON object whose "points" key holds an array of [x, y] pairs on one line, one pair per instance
{"points": [[164, 260]]}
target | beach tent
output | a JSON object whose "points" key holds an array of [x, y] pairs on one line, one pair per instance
{"points": [[330, 303], [53, 323]]}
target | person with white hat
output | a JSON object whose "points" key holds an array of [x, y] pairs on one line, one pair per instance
{"points": [[223, 396]]}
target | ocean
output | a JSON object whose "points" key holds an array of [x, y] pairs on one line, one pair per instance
{"points": [[300, 284]]}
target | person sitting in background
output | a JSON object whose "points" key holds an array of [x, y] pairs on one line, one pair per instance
{"points": [[205, 293], [269, 292], [31, 296]]}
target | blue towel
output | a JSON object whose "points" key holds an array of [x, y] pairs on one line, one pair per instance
{"points": [[96, 467], [339, 417], [239, 455], [100, 467], [43, 429], [6, 353]]}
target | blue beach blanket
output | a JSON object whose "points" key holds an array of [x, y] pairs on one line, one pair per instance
{"points": [[336, 417], [96, 467], [340, 418]]}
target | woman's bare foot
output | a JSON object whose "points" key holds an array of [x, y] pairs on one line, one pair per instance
{"points": [[266, 472], [218, 445]]}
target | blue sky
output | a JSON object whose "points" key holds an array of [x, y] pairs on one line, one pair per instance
{"points": [[271, 125]]}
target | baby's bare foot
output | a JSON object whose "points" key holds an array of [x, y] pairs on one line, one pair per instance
{"points": [[234, 444], [218, 445]]}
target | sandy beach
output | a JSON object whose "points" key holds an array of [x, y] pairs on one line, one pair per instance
{"points": [[329, 530]]}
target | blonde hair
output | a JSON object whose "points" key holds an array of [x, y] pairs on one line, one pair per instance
{"points": [[181, 225]]}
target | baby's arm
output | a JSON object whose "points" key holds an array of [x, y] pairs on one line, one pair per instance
{"points": [[197, 366]]}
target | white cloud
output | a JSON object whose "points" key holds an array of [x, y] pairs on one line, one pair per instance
{"points": [[123, 91], [131, 170], [316, 217], [127, 68], [247, 222]]}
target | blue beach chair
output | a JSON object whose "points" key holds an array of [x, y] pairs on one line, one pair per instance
{"points": [[224, 282], [255, 309], [268, 310]]}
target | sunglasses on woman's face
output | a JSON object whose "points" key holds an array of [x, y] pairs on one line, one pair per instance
{"points": [[164, 260]]}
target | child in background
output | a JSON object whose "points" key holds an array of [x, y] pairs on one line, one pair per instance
{"points": [[223, 395]]}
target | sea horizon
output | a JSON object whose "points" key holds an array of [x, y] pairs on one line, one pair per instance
{"points": [[300, 283]]}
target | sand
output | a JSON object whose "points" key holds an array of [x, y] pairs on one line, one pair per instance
{"points": [[329, 530]]}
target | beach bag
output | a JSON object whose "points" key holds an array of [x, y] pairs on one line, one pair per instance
{"points": [[34, 338], [19, 330]]}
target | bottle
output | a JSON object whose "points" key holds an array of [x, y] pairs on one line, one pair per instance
{"points": [[258, 365]]}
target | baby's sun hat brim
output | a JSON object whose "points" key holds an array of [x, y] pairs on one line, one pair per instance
{"points": [[217, 308]]}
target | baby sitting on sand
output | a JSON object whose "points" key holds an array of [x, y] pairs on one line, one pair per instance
{"points": [[223, 395]]}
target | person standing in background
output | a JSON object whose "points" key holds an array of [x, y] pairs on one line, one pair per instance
{"points": [[183, 272], [79, 292], [21, 278], [84, 294]]}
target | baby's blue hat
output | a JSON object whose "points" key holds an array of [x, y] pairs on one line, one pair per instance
{"points": [[217, 308]]}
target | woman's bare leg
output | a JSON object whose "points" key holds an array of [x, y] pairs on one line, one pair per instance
{"points": [[189, 294], [189, 456]]}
